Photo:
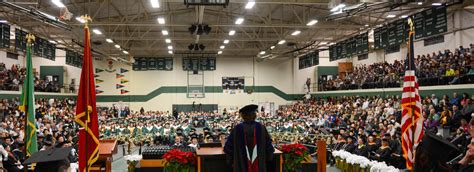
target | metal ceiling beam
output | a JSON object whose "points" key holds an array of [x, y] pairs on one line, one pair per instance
{"points": [[136, 24]]}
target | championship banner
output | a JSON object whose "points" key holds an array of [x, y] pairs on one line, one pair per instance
{"points": [[97, 91], [122, 70], [123, 81], [97, 81], [123, 91], [119, 76], [119, 86], [97, 70]]}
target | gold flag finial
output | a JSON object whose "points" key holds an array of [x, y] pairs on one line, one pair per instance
{"points": [[30, 38], [410, 24], [86, 18]]}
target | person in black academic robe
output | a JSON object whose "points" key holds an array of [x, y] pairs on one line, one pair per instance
{"points": [[350, 146], [249, 146], [384, 152], [361, 149], [372, 147]]}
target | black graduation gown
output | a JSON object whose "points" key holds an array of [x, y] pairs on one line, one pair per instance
{"points": [[371, 149], [362, 150], [384, 154], [9, 164], [349, 147], [235, 146], [339, 145]]}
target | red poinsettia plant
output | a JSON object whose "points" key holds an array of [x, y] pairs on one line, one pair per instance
{"points": [[179, 161], [293, 154]]}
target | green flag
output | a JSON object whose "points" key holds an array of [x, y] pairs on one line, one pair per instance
{"points": [[28, 103]]}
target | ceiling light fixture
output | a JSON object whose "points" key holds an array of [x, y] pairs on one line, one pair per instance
{"points": [[391, 16], [117, 46], [168, 41], [161, 20], [164, 32], [155, 3], [222, 47], [436, 4], [312, 22], [3, 21], [170, 47], [79, 19], [403, 16], [239, 20], [125, 52], [262, 52], [250, 4], [226, 41], [58, 3], [97, 31], [109, 40], [366, 25], [170, 52], [297, 32], [219, 52], [420, 3], [232, 32], [54, 42], [272, 47], [281, 42]]}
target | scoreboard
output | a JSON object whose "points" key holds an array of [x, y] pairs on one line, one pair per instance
{"points": [[354, 46], [308, 60], [152, 63], [427, 23], [199, 63]]}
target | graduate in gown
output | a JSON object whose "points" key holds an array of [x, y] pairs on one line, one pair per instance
{"points": [[249, 145], [361, 149], [384, 152]]}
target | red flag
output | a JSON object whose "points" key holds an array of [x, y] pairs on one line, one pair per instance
{"points": [[412, 120], [86, 112]]}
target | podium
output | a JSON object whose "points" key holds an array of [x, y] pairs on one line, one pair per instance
{"points": [[212, 159], [107, 149]]}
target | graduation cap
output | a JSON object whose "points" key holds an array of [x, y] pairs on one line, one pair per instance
{"points": [[434, 142], [249, 109], [50, 160]]}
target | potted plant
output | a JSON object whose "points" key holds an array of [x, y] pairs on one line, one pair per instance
{"points": [[179, 161], [293, 155], [132, 161]]}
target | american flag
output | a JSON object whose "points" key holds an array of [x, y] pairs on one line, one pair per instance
{"points": [[412, 120]]}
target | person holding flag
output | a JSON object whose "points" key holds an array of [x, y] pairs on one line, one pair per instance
{"points": [[86, 112]]}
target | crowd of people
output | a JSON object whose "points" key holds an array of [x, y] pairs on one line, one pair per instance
{"points": [[441, 68], [367, 126], [12, 79]]}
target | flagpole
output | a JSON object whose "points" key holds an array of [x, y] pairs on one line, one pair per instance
{"points": [[410, 50], [87, 19], [29, 39]]}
